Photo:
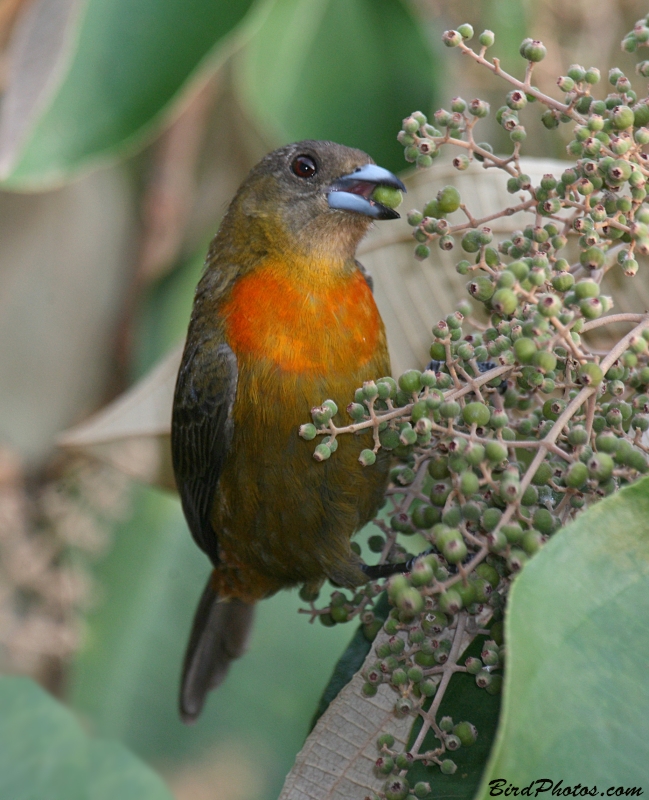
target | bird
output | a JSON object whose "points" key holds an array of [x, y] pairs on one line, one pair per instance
{"points": [[283, 317]]}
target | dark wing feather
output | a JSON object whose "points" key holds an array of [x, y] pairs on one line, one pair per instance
{"points": [[201, 432]]}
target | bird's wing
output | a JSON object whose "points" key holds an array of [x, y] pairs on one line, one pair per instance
{"points": [[201, 432]]}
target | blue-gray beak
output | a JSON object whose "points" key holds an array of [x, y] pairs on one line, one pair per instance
{"points": [[352, 192]]}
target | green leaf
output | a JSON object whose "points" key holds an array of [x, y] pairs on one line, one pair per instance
{"points": [[576, 696], [122, 65], [346, 70], [463, 700], [44, 753]]}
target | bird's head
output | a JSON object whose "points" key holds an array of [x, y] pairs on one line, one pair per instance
{"points": [[315, 195]]}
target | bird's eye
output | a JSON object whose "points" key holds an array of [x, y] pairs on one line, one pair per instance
{"points": [[304, 167]]}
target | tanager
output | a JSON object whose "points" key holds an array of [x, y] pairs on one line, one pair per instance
{"points": [[283, 318]]}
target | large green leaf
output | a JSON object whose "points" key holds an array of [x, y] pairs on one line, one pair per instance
{"points": [[347, 70], [576, 701], [45, 754], [123, 64]]}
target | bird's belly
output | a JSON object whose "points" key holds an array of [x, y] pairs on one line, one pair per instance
{"points": [[281, 517]]}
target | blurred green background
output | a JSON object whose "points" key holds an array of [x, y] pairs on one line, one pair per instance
{"points": [[124, 130]]}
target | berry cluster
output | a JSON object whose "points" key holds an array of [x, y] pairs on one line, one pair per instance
{"points": [[520, 420]]}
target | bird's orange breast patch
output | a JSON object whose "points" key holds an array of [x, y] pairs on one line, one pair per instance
{"points": [[303, 324]]}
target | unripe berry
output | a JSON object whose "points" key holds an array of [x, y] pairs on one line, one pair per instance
{"points": [[367, 457], [516, 559], [524, 349], [495, 451], [450, 602], [549, 305], [476, 413], [397, 788], [454, 551], [576, 475], [622, 117], [448, 199], [535, 51], [322, 452], [483, 678], [410, 381], [308, 431], [565, 83], [488, 573], [600, 466], [452, 38], [448, 767], [466, 31], [590, 374], [410, 601], [592, 75], [450, 409], [497, 541], [504, 301]]}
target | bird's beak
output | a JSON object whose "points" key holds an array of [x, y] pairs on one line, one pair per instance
{"points": [[352, 192]]}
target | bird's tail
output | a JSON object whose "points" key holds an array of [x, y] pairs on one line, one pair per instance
{"points": [[219, 635]]}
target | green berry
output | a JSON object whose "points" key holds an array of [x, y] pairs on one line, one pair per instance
{"points": [[524, 350], [585, 289], [448, 199], [448, 767], [454, 551], [476, 413], [452, 38], [421, 789], [387, 196], [497, 541], [504, 301], [622, 117], [600, 466], [513, 532], [549, 305], [466, 31], [469, 483], [308, 431], [532, 542], [488, 573], [450, 602], [385, 740], [410, 381], [590, 374], [487, 38], [544, 521], [397, 788], [322, 452], [410, 601], [450, 409], [576, 475], [535, 51], [490, 519], [592, 258], [495, 451], [367, 457]]}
